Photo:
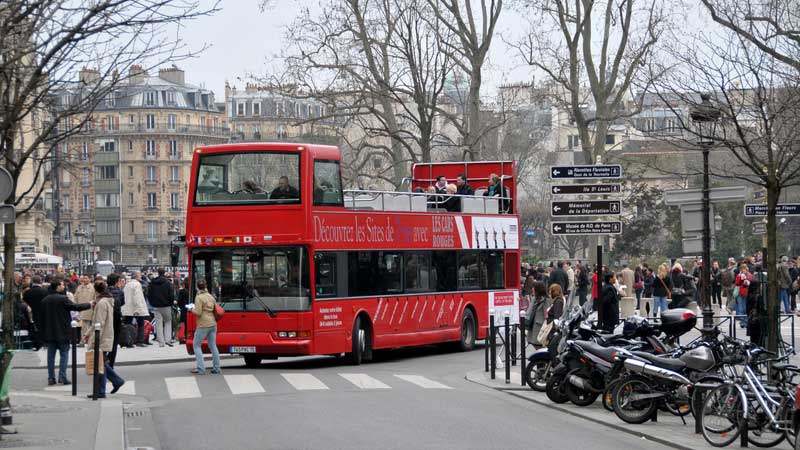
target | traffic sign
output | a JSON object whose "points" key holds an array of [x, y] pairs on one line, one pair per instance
{"points": [[584, 172], [6, 184], [781, 209], [8, 213], [587, 208], [759, 228], [571, 189], [583, 228]]}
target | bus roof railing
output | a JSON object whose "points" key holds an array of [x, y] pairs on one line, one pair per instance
{"points": [[422, 202]]}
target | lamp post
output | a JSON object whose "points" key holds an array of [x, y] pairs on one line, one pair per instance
{"points": [[81, 236], [705, 116]]}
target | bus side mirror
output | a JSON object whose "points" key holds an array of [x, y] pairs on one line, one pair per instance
{"points": [[174, 255]]}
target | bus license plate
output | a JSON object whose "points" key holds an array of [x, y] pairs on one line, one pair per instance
{"points": [[248, 349]]}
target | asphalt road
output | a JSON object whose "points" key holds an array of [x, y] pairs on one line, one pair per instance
{"points": [[408, 399]]}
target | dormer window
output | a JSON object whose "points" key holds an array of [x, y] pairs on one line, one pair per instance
{"points": [[150, 98], [110, 99], [256, 109], [171, 98], [240, 109]]}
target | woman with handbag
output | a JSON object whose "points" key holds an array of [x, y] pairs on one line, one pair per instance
{"points": [[535, 314], [204, 309], [662, 290], [683, 287], [104, 315], [553, 312]]}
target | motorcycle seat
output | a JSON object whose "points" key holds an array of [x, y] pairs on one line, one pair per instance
{"points": [[665, 363], [606, 353]]}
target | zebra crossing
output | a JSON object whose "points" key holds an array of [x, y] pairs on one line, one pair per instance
{"points": [[193, 387]]}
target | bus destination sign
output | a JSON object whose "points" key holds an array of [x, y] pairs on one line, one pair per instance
{"points": [[584, 228], [586, 172]]}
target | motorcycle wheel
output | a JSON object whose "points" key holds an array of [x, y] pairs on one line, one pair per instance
{"points": [[578, 396], [555, 388], [608, 397], [537, 373], [627, 407]]}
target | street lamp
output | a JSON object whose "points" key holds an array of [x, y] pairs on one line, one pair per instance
{"points": [[80, 234], [705, 117]]}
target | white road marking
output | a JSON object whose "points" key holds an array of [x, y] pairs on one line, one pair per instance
{"points": [[421, 381], [304, 381], [243, 384], [182, 387], [364, 381]]}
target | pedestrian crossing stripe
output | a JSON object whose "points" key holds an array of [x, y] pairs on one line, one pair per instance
{"points": [[364, 381], [423, 382], [304, 381], [243, 384], [182, 387]]}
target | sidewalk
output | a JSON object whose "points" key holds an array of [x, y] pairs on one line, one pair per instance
{"points": [[45, 420], [27, 359], [669, 430]]}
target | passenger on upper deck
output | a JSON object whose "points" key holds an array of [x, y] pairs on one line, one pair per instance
{"points": [[494, 190], [284, 191], [453, 203], [441, 185], [463, 187]]}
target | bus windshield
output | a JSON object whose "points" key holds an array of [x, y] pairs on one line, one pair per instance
{"points": [[248, 178], [255, 279]]}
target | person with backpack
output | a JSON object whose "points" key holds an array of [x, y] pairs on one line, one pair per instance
{"points": [[203, 308]]}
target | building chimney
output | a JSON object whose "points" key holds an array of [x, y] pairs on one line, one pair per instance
{"points": [[88, 76], [136, 74], [173, 75]]}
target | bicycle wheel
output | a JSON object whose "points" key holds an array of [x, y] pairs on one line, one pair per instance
{"points": [[786, 416], [761, 432], [721, 415]]}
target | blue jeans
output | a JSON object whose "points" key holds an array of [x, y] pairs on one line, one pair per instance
{"points": [[784, 296], [199, 335], [741, 310], [109, 374], [63, 353], [639, 298], [659, 304]]}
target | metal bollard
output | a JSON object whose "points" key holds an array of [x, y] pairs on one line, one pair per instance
{"points": [[507, 323], [522, 345], [514, 345], [76, 333], [492, 350], [744, 439], [486, 353], [96, 375]]}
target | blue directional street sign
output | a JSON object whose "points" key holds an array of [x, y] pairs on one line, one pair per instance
{"points": [[530, 233], [781, 209], [586, 172]]}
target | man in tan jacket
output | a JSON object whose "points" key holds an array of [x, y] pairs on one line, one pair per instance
{"points": [[85, 294]]}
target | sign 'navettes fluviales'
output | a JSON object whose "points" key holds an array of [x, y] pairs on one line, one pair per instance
{"points": [[586, 172], [781, 209]]}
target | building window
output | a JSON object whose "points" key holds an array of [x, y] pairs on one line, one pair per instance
{"points": [[150, 173], [107, 200], [240, 109], [130, 171], [172, 121], [111, 123], [132, 226], [150, 98], [106, 172], [152, 200], [107, 227], [671, 124], [131, 119], [130, 199], [256, 109], [256, 132], [85, 176], [573, 141], [650, 124], [86, 203], [85, 151], [173, 149], [151, 121], [109, 146], [171, 98], [152, 230], [65, 202], [110, 99], [150, 149], [280, 109], [174, 200], [297, 109], [610, 139], [174, 174], [281, 132]]}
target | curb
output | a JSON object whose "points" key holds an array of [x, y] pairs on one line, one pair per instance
{"points": [[140, 362], [574, 413], [111, 426]]}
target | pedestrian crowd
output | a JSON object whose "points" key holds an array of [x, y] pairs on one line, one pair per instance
{"points": [[738, 287], [128, 308]]}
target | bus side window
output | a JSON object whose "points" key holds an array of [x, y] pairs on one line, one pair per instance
{"points": [[327, 184], [325, 274]]}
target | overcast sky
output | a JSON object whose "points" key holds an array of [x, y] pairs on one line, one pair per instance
{"points": [[243, 39]]}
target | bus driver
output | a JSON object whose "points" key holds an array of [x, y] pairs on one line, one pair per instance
{"points": [[284, 191]]}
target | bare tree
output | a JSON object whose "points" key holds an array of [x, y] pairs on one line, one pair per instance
{"points": [[474, 34], [43, 44], [584, 70], [381, 69]]}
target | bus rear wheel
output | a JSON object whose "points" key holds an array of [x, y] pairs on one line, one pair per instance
{"points": [[252, 361], [360, 351], [467, 341]]}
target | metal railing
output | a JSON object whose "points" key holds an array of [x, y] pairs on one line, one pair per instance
{"points": [[421, 202], [160, 128]]}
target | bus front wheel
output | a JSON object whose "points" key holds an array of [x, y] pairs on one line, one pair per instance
{"points": [[252, 361]]}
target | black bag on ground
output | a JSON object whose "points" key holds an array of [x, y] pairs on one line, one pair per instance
{"points": [[127, 336]]}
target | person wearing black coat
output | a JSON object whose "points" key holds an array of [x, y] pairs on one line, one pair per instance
{"points": [[115, 290], [609, 301], [183, 300], [559, 276], [162, 297], [56, 329], [583, 283], [683, 287], [33, 297]]}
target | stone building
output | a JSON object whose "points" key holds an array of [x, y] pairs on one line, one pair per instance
{"points": [[125, 177]]}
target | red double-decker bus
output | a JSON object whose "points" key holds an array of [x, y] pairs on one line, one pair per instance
{"points": [[304, 268]]}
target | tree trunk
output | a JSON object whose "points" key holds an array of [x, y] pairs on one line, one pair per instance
{"points": [[472, 140], [773, 327]]}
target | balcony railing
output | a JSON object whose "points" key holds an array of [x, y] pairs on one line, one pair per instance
{"points": [[175, 182], [150, 181], [175, 156], [85, 183], [161, 127]]}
